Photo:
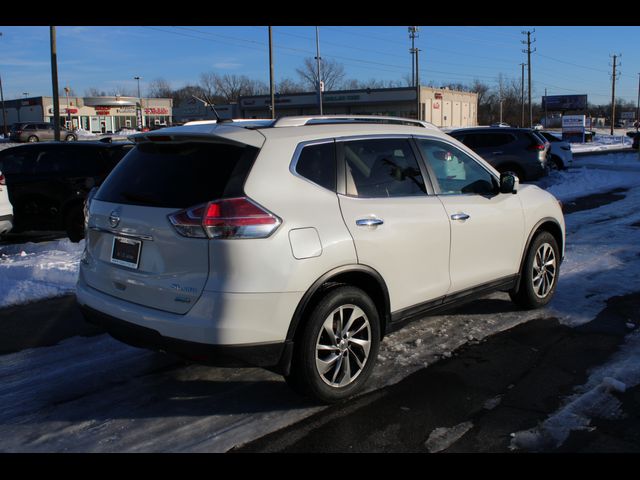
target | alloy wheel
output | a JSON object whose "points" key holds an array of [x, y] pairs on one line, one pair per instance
{"points": [[544, 270], [343, 346]]}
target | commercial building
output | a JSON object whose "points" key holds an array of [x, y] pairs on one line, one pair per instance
{"points": [[443, 107], [94, 114]]}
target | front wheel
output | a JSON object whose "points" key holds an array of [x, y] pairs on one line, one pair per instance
{"points": [[33, 139], [539, 276], [337, 349]]}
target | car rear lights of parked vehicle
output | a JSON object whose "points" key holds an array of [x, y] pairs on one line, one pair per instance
{"points": [[2, 180], [229, 218]]}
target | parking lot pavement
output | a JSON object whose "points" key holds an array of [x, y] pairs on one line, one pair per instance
{"points": [[476, 400]]}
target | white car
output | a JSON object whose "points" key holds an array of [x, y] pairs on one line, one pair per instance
{"points": [[561, 156], [6, 209], [297, 244]]}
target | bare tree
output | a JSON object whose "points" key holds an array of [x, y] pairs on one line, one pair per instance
{"points": [[94, 92], [286, 86], [332, 74], [159, 88]]}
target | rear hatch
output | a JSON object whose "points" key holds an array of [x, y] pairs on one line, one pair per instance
{"points": [[135, 252]]}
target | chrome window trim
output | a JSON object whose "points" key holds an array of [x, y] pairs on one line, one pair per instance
{"points": [[296, 157]]}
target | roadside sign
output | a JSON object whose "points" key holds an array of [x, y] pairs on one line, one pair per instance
{"points": [[573, 127]]}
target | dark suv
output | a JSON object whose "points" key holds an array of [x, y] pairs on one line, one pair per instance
{"points": [[37, 131], [48, 182], [518, 150]]}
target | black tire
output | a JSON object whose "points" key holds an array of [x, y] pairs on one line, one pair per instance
{"points": [[33, 139], [556, 163], [74, 223], [70, 138], [348, 362], [539, 275]]}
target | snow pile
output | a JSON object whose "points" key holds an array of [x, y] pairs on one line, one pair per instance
{"points": [[594, 399], [33, 271], [84, 133], [442, 438], [603, 142]]}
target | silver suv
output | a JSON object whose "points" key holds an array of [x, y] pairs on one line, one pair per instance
{"points": [[38, 131], [297, 244]]}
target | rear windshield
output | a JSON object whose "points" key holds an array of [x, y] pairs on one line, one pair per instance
{"points": [[178, 175]]}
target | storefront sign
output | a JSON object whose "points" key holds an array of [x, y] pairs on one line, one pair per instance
{"points": [[103, 111], [156, 111]]}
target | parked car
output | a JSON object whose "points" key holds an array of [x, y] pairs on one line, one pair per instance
{"points": [[561, 154], [500, 124], [297, 244], [6, 209], [518, 150], [48, 182], [38, 131]]}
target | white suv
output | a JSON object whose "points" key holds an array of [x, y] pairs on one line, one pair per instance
{"points": [[297, 244]]}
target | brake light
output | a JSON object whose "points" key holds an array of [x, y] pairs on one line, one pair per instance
{"points": [[229, 218], [537, 146], [2, 180]]}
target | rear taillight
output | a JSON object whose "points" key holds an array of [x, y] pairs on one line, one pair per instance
{"points": [[537, 146], [2, 180], [228, 218]]}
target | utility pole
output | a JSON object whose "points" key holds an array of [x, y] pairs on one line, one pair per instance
{"points": [[271, 83], [546, 119], [522, 93], [413, 33], [418, 109], [528, 51], [54, 78], [4, 112], [637, 109], [613, 92], [319, 70]]}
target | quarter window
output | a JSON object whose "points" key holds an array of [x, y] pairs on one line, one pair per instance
{"points": [[317, 163], [456, 172], [382, 168]]}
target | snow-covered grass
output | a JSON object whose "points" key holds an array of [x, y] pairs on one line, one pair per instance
{"points": [[33, 271]]}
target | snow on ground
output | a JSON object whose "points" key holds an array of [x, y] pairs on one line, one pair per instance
{"points": [[33, 271], [98, 395]]}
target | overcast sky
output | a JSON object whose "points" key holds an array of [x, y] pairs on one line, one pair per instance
{"points": [[567, 60]]}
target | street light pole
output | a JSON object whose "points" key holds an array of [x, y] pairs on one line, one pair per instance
{"points": [[319, 71], [4, 112], [139, 107]]}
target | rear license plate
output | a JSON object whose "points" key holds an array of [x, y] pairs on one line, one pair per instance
{"points": [[126, 252]]}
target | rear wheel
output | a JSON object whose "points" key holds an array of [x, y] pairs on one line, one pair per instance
{"points": [[539, 275], [70, 138], [337, 349], [33, 139]]}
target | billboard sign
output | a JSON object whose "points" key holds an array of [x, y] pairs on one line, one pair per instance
{"points": [[573, 127], [561, 103]]}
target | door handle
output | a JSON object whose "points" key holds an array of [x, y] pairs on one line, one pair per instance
{"points": [[369, 222], [459, 216], [497, 153]]}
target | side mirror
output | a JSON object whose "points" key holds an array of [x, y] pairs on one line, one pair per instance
{"points": [[509, 182]]}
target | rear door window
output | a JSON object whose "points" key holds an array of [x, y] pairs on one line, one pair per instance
{"points": [[382, 168], [178, 175]]}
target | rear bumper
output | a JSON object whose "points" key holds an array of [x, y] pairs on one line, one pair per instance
{"points": [[261, 355], [223, 329]]}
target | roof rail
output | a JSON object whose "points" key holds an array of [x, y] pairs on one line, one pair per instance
{"points": [[328, 119]]}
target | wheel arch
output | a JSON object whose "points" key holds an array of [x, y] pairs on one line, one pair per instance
{"points": [[547, 224], [361, 276]]}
